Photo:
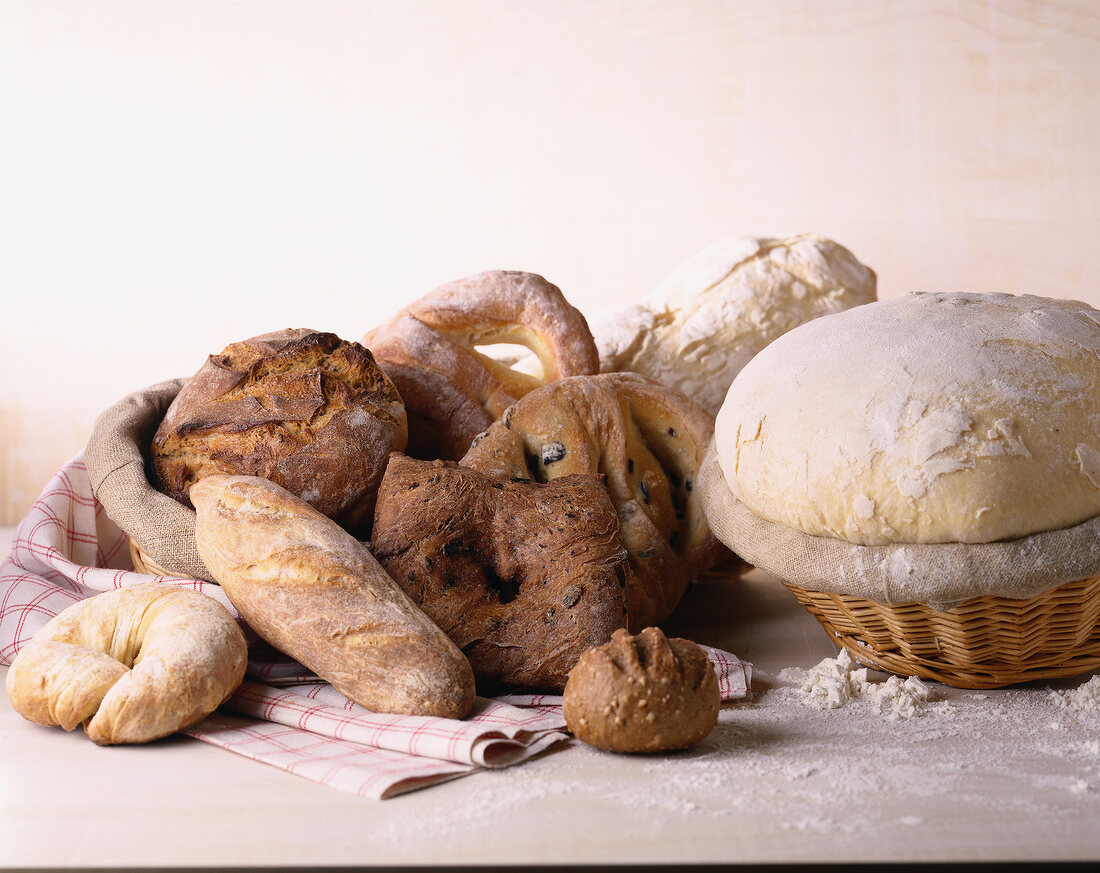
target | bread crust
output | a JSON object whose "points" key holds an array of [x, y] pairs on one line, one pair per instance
{"points": [[317, 594], [304, 409], [643, 693], [523, 576], [705, 320], [132, 664], [647, 440], [453, 391]]}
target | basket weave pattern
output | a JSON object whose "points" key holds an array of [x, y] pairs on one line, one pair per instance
{"points": [[144, 564], [986, 642]]}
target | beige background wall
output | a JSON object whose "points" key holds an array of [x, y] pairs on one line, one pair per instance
{"points": [[177, 176]]}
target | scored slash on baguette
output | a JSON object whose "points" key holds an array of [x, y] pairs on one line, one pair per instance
{"points": [[317, 594]]}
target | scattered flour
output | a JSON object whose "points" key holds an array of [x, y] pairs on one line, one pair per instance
{"points": [[839, 681], [1089, 747], [825, 756], [1084, 698]]}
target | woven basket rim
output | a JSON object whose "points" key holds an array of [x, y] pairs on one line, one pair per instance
{"points": [[144, 563], [985, 642], [938, 574]]}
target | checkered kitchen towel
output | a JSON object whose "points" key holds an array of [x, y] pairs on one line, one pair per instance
{"points": [[67, 549]]}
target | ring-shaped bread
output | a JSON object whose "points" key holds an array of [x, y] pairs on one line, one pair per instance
{"points": [[131, 664], [452, 391]]}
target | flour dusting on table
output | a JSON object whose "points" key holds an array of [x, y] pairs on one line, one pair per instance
{"points": [[1085, 698], [888, 760]]}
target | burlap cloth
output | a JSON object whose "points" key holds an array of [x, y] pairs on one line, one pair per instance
{"points": [[117, 462], [941, 575]]}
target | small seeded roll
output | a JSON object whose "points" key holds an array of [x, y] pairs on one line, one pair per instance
{"points": [[643, 693]]}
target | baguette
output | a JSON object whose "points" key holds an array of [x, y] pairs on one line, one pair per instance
{"points": [[317, 594]]}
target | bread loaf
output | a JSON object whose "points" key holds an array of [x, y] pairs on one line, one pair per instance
{"points": [[317, 594], [929, 418], [523, 576], [646, 440], [705, 321], [306, 410]]}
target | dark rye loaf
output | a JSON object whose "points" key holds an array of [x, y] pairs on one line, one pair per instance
{"points": [[523, 576]]}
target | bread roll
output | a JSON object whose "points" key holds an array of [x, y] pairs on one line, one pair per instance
{"points": [[317, 594], [132, 664], [304, 409], [929, 418], [643, 693], [707, 319]]}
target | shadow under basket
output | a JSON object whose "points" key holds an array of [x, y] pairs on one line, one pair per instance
{"points": [[986, 642]]}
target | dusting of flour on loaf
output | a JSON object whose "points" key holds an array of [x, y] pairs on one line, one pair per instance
{"points": [[707, 319], [840, 681], [954, 414]]}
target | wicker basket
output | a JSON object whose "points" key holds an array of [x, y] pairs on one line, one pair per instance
{"points": [[986, 642], [144, 564]]}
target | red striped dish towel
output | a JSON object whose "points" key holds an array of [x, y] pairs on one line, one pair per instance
{"points": [[67, 549]]}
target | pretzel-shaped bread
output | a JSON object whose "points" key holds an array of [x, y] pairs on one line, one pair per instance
{"points": [[452, 391], [648, 441]]}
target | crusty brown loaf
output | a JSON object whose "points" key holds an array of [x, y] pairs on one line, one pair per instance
{"points": [[648, 440], [522, 576], [451, 390], [132, 664], [306, 410], [644, 693], [317, 594]]}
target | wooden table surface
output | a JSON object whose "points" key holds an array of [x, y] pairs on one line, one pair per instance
{"points": [[1000, 775]]}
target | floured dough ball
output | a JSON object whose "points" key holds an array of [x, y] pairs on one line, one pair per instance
{"points": [[306, 410], [710, 316], [643, 693], [929, 418]]}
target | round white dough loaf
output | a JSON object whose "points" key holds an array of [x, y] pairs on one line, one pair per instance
{"points": [[705, 320], [923, 419]]}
